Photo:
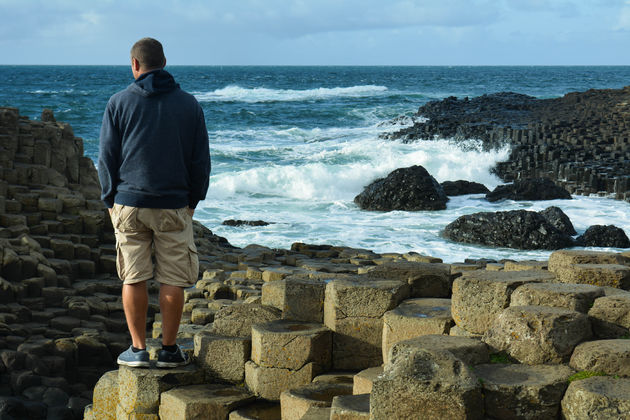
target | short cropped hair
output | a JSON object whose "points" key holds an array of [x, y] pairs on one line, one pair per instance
{"points": [[149, 53]]}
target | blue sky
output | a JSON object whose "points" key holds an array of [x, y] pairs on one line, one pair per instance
{"points": [[320, 32]]}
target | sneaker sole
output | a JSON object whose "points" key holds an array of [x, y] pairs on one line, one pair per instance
{"points": [[171, 364], [132, 364]]}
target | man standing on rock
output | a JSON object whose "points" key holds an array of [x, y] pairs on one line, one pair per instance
{"points": [[154, 166]]}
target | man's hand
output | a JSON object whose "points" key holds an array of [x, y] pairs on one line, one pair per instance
{"points": [[191, 211], [110, 211]]}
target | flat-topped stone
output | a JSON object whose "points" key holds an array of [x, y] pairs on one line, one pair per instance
{"points": [[538, 334], [364, 380], [426, 279], [140, 389], [237, 320], [612, 275], [105, 396], [299, 298], [608, 356], [297, 401], [291, 344], [513, 391], [415, 317], [469, 350], [568, 257], [525, 265], [207, 401], [576, 297], [353, 309], [480, 296], [428, 381], [610, 316], [260, 410], [269, 382], [350, 407], [222, 358], [597, 398]]}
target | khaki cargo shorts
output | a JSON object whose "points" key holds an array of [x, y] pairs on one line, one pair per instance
{"points": [[165, 232]]}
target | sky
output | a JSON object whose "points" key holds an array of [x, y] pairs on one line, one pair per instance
{"points": [[319, 32]]}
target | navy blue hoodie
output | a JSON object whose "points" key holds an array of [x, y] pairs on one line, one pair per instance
{"points": [[154, 148]]}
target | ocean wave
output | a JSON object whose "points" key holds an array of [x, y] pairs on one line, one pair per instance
{"points": [[235, 93]]}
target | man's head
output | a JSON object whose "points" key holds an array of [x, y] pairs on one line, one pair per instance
{"points": [[146, 55]]}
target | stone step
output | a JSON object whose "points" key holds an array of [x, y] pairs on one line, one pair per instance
{"points": [[350, 407], [296, 402], [608, 356], [207, 401], [598, 397]]}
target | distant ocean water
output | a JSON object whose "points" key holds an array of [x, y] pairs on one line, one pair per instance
{"points": [[294, 145]]}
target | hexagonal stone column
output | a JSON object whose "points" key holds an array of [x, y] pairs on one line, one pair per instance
{"points": [[105, 396], [566, 258], [576, 297], [610, 316], [211, 402], [363, 381], [140, 389], [428, 280], [612, 275], [291, 344], [597, 398], [353, 309], [523, 392], [608, 356], [298, 298], [469, 350], [222, 358], [269, 382], [413, 318], [297, 401], [538, 334], [480, 296], [350, 407], [432, 382]]}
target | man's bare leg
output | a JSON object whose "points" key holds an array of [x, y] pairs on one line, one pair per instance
{"points": [[135, 303], [171, 307]]}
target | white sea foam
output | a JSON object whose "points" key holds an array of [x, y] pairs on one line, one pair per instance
{"points": [[259, 94]]}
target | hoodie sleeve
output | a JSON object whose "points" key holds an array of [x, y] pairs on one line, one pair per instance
{"points": [[109, 157], [200, 164]]}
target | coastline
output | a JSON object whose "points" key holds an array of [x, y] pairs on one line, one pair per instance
{"points": [[61, 318]]}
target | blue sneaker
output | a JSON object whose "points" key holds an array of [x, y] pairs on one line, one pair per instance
{"points": [[134, 359], [166, 359]]}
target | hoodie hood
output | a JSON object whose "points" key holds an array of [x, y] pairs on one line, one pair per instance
{"points": [[154, 83]]}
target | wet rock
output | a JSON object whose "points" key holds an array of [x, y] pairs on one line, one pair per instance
{"points": [[559, 220], [604, 236], [529, 190], [407, 189], [461, 187], [519, 229], [239, 223]]}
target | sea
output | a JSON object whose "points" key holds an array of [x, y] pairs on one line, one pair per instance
{"points": [[293, 146]]}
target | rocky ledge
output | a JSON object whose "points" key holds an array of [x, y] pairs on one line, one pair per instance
{"points": [[581, 140], [311, 332]]}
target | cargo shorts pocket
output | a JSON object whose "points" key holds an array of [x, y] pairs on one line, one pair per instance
{"points": [[125, 219], [194, 263], [172, 220]]}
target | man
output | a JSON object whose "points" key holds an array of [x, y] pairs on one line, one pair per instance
{"points": [[154, 165]]}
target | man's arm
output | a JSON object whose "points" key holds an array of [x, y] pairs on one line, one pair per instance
{"points": [[200, 164], [109, 158]]}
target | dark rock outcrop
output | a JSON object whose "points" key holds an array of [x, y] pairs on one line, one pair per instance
{"points": [[581, 140], [559, 220], [238, 223], [461, 187], [519, 229], [604, 236], [407, 189], [530, 190]]}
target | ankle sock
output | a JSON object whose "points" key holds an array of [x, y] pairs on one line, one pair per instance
{"points": [[170, 349], [136, 350]]}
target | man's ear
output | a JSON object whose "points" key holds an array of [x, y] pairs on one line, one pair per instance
{"points": [[135, 64]]}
